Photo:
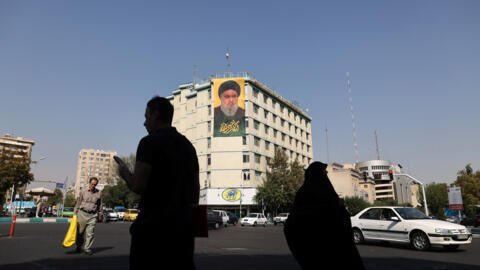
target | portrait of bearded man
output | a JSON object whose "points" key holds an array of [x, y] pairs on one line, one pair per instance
{"points": [[229, 118]]}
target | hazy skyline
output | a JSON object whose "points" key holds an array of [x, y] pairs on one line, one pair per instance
{"points": [[77, 74]]}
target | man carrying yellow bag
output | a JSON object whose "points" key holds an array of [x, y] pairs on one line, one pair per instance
{"points": [[71, 233]]}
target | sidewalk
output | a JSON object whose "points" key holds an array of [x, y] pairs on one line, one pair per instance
{"points": [[36, 220]]}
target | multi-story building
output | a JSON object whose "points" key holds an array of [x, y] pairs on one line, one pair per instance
{"points": [[233, 155], [21, 147], [345, 179], [379, 170], [94, 163]]}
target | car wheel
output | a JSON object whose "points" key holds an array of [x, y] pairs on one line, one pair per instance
{"points": [[451, 247], [265, 224], [275, 223], [419, 241], [254, 224], [358, 236]]}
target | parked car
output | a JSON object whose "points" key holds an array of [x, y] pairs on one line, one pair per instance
{"points": [[214, 219], [120, 212], [232, 218], [471, 221], [68, 212], [408, 225], [224, 216], [281, 218], [254, 219], [130, 215], [109, 215]]}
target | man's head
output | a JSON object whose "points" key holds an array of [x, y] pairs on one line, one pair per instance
{"points": [[159, 113], [229, 92], [92, 183]]}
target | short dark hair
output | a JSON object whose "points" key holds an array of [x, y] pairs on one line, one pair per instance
{"points": [[163, 106], [93, 178], [229, 85]]}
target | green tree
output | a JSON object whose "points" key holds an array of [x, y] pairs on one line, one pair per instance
{"points": [[355, 204], [70, 200], [470, 184], [281, 184], [120, 194], [437, 198], [56, 198], [14, 170]]}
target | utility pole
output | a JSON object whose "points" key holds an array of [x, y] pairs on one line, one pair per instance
{"points": [[227, 56]]}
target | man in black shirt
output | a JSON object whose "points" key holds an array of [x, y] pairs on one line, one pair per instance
{"points": [[166, 177]]}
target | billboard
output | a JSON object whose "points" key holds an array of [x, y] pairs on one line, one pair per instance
{"points": [[229, 107], [455, 198]]}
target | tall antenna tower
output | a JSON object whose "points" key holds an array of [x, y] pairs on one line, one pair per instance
{"points": [[376, 142], [227, 56], [355, 145], [328, 154]]}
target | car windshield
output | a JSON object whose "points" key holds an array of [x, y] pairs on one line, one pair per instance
{"points": [[68, 209], [120, 210], [133, 211], [252, 215], [411, 213]]}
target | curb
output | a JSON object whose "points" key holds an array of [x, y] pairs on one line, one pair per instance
{"points": [[36, 220]]}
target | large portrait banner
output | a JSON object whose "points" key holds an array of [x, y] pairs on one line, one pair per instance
{"points": [[229, 107]]}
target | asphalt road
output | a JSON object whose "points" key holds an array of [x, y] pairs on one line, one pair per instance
{"points": [[38, 246]]}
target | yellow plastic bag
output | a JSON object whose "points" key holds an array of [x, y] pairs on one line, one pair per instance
{"points": [[71, 233]]}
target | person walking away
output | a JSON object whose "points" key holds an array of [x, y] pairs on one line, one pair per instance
{"points": [[88, 207], [318, 229], [166, 177]]}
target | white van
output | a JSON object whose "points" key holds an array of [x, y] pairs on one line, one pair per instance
{"points": [[224, 216]]}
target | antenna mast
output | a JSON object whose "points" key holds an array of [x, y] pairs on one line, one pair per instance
{"points": [[376, 142], [328, 154], [355, 145], [227, 56]]}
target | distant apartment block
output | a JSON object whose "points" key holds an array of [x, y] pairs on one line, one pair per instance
{"points": [[94, 163], [21, 147]]}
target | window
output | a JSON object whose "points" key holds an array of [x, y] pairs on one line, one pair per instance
{"points": [[258, 175], [282, 122], [209, 110], [371, 214], [209, 160], [209, 142], [209, 126], [244, 140], [256, 124], [255, 93], [255, 108], [256, 141], [246, 175], [265, 114], [267, 145], [257, 158], [266, 129], [246, 157], [246, 122]]}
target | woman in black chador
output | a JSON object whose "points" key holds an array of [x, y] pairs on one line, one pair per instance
{"points": [[318, 229]]}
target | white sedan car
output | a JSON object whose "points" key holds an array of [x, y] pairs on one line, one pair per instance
{"points": [[254, 219], [409, 225]]}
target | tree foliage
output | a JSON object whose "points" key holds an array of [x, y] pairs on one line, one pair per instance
{"points": [[14, 170], [283, 180], [56, 198], [470, 184], [437, 198], [120, 194], [70, 200], [355, 204]]}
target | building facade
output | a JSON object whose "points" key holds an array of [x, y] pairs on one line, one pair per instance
{"points": [[378, 170], [94, 163], [21, 147], [234, 154], [345, 180]]}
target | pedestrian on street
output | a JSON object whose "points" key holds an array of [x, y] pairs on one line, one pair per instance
{"points": [[166, 177], [87, 209], [319, 229]]}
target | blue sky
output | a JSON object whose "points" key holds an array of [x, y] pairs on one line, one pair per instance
{"points": [[77, 74]]}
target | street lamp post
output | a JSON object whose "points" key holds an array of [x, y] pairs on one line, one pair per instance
{"points": [[423, 187]]}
